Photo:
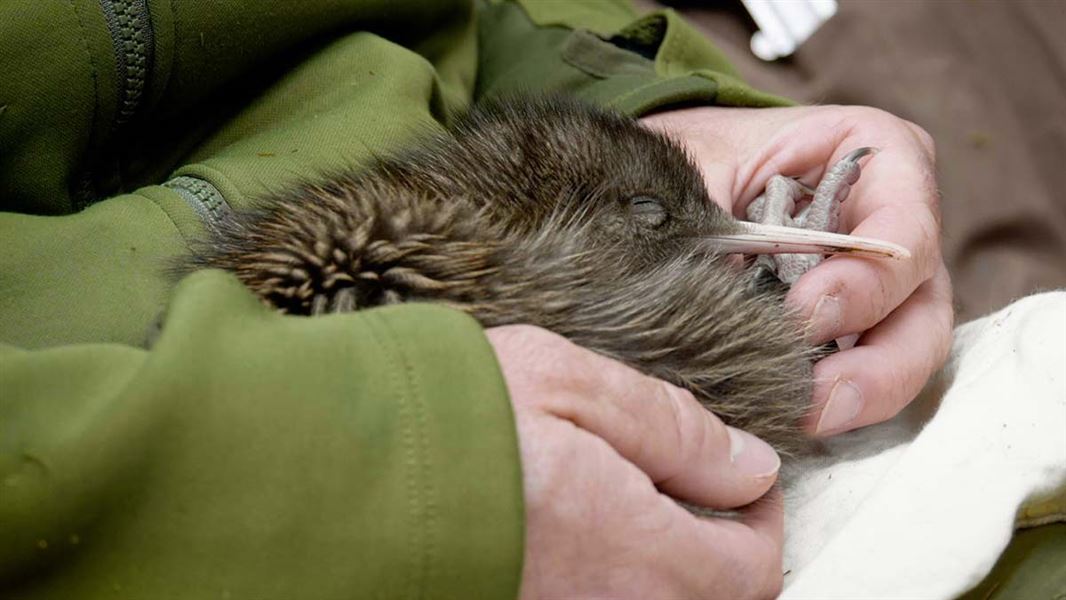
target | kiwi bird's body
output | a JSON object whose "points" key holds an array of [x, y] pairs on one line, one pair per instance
{"points": [[550, 213]]}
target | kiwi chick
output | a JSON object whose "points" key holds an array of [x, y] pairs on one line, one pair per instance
{"points": [[545, 212]]}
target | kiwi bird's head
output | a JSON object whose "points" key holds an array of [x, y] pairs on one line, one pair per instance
{"points": [[546, 163], [557, 162]]}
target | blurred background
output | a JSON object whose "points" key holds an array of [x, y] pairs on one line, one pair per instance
{"points": [[986, 78]]}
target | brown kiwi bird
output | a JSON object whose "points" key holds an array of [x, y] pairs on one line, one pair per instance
{"points": [[549, 212]]}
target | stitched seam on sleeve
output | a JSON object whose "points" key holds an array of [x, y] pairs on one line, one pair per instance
{"points": [[425, 467], [401, 390]]}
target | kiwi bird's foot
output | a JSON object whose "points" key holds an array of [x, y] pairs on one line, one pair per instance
{"points": [[777, 206], [823, 213]]}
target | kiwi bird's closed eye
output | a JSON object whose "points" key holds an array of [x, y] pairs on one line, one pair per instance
{"points": [[647, 210]]}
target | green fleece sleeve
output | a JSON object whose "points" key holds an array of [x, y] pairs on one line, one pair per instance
{"points": [[251, 455], [601, 51]]}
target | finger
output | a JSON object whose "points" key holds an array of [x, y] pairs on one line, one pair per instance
{"points": [[686, 450], [875, 380], [896, 201], [747, 552], [846, 294]]}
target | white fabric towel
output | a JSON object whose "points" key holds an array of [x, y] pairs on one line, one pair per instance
{"points": [[923, 505]]}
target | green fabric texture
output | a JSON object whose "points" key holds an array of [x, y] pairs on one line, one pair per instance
{"points": [[604, 17], [247, 454], [223, 456], [46, 121], [94, 276], [520, 56], [685, 68], [209, 62]]}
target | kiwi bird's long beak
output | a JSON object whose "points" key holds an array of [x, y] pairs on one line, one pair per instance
{"points": [[771, 239]]}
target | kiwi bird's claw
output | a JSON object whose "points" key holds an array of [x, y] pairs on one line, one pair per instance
{"points": [[823, 213], [777, 207], [858, 153]]}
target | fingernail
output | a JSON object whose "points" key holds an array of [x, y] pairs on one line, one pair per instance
{"points": [[750, 455], [845, 403], [825, 320]]}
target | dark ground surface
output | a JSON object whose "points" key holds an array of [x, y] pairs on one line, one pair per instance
{"points": [[987, 79]]}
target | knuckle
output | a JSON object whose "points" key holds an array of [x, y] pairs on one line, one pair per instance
{"points": [[677, 427], [934, 199], [923, 227], [867, 112], [683, 426], [929, 255], [549, 468], [694, 427], [931, 196], [922, 136], [925, 139], [871, 117], [539, 362]]}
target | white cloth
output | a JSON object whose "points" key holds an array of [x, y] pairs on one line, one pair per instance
{"points": [[923, 505]]}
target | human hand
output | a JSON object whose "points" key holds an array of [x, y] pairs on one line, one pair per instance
{"points": [[902, 308], [602, 445]]}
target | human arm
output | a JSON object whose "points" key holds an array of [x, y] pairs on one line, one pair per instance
{"points": [[351, 458]]}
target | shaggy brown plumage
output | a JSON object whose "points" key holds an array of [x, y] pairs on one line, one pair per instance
{"points": [[546, 212]]}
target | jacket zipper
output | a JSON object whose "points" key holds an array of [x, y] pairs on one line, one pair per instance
{"points": [[203, 197], [130, 25]]}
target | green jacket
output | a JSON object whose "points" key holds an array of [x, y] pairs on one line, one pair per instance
{"points": [[247, 454]]}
